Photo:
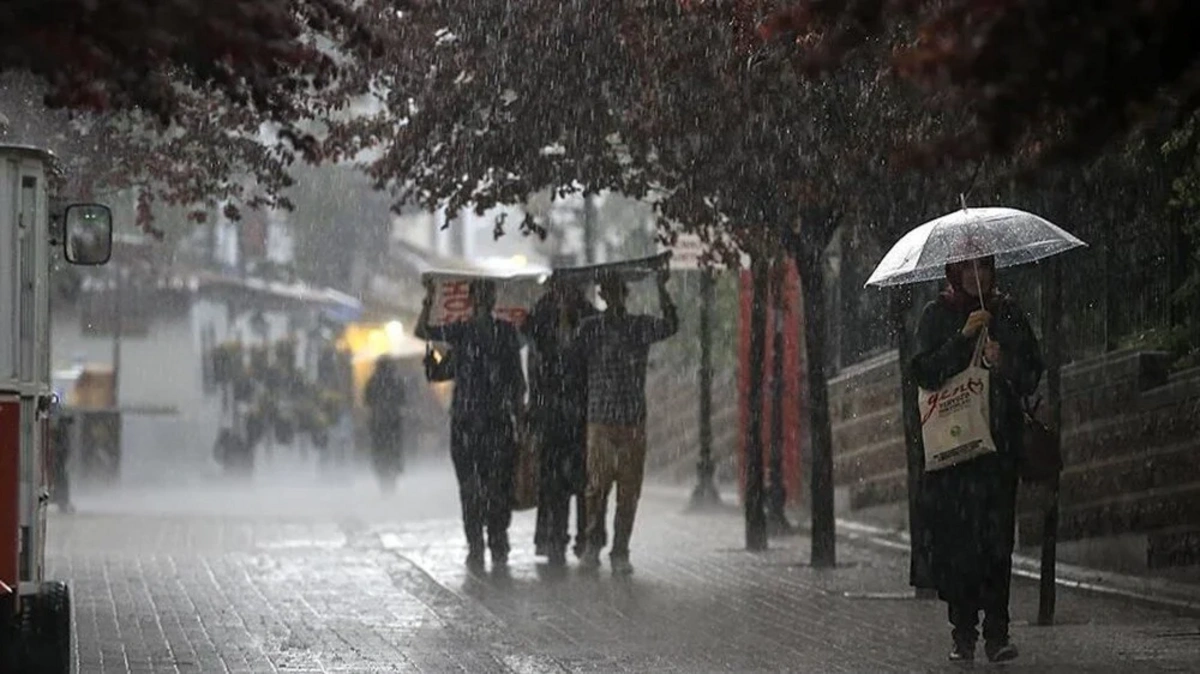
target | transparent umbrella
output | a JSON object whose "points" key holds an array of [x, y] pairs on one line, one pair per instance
{"points": [[1013, 236]]}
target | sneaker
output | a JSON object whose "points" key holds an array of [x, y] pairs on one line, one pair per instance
{"points": [[962, 652], [590, 559], [621, 566], [1000, 652]]}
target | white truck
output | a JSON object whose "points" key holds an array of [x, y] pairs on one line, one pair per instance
{"points": [[35, 613]]}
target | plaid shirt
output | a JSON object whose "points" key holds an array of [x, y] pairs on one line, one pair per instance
{"points": [[617, 348]]}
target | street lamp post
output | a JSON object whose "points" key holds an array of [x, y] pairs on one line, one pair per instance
{"points": [[118, 332], [705, 494]]}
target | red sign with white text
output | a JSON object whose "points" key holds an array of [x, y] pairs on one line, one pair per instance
{"points": [[452, 300]]}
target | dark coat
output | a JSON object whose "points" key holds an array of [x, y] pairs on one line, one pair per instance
{"points": [[969, 509], [385, 396], [558, 395]]}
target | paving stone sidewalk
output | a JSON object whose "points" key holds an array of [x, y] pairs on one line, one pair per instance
{"points": [[343, 582]]}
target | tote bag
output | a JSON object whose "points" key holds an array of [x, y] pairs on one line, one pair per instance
{"points": [[1040, 460], [525, 469], [956, 419]]}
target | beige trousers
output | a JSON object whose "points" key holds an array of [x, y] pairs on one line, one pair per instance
{"points": [[615, 454]]}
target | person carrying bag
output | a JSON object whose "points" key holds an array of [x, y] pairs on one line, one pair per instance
{"points": [[977, 357]]}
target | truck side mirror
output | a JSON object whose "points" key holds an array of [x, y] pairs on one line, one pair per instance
{"points": [[88, 234]]}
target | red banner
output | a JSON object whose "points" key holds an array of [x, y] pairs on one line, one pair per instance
{"points": [[794, 405]]}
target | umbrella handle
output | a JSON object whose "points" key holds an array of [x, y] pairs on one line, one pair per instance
{"points": [[977, 356], [978, 285], [983, 334]]}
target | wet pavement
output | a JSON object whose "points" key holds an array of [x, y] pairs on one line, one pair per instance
{"points": [[296, 575]]}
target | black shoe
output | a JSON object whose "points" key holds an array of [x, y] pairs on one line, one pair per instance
{"points": [[557, 556], [541, 550], [499, 557], [475, 560], [962, 652], [1000, 651], [621, 566], [590, 560]]}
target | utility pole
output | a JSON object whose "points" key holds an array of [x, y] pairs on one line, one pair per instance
{"points": [[118, 308], [1053, 338], [460, 236], [589, 229], [705, 494]]}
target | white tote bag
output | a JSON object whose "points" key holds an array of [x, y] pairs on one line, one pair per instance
{"points": [[956, 419]]}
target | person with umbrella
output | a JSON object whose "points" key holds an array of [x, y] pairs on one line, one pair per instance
{"points": [[488, 403], [617, 344], [969, 507], [558, 407]]}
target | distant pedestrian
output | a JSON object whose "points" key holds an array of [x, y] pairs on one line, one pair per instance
{"points": [[969, 509], [385, 396], [617, 345], [489, 388], [558, 409]]}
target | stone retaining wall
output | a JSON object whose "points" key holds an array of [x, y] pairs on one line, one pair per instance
{"points": [[1131, 444]]}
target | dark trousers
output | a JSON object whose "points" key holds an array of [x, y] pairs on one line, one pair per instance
{"points": [[554, 521], [992, 600], [387, 450], [562, 475], [483, 455], [970, 513]]}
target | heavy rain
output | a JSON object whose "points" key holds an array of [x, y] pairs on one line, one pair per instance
{"points": [[721, 336]]}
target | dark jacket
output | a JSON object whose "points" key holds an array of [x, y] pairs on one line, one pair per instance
{"points": [[558, 398], [969, 509], [558, 378], [488, 378]]}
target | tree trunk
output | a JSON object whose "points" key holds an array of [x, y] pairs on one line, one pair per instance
{"points": [[812, 288], [756, 521], [777, 522]]}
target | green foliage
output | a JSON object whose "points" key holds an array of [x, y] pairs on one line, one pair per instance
{"points": [[1184, 146]]}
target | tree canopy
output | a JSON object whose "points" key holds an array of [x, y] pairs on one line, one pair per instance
{"points": [[145, 54], [683, 103], [1046, 79], [197, 101]]}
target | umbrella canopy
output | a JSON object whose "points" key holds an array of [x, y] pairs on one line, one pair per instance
{"points": [[630, 270], [1013, 236]]}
